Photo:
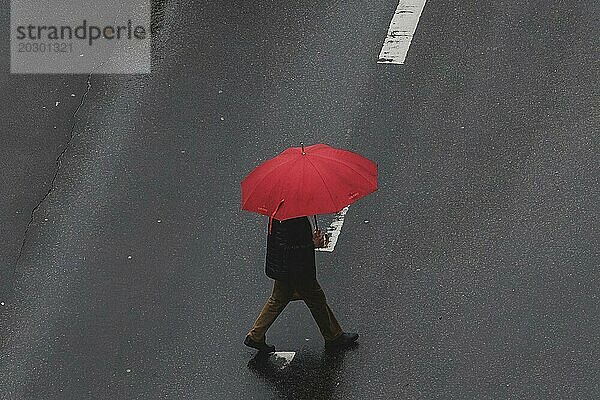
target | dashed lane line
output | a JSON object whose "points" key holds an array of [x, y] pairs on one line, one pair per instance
{"points": [[334, 230], [401, 32], [282, 359]]}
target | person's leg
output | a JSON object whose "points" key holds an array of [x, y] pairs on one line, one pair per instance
{"points": [[314, 297], [273, 307]]}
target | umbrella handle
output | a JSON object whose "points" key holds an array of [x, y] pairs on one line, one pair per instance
{"points": [[273, 215]]}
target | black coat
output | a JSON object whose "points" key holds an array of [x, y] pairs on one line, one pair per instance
{"points": [[291, 251]]}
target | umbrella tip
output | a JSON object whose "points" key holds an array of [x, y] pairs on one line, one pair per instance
{"points": [[302, 144]]}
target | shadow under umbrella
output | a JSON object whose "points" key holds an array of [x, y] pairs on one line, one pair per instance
{"points": [[309, 376]]}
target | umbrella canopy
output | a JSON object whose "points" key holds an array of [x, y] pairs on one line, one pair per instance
{"points": [[302, 181]]}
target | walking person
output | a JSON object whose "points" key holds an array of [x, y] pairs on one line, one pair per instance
{"points": [[290, 262], [302, 181]]}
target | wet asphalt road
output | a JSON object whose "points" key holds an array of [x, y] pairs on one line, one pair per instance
{"points": [[475, 277]]}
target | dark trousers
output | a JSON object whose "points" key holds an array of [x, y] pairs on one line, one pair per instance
{"points": [[312, 295]]}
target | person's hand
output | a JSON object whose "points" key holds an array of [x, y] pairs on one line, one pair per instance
{"points": [[319, 239]]}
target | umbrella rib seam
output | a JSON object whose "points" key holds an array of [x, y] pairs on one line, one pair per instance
{"points": [[324, 183]]}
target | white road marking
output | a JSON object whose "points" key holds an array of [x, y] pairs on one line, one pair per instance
{"points": [[334, 230], [401, 32], [282, 359]]}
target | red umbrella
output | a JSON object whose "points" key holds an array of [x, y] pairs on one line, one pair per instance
{"points": [[303, 181]]}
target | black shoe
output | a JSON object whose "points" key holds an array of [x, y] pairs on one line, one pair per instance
{"points": [[262, 347], [345, 340]]}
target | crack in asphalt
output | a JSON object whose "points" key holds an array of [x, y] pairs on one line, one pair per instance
{"points": [[72, 136], [158, 15]]}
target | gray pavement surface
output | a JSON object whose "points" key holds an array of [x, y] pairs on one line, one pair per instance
{"points": [[475, 277]]}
